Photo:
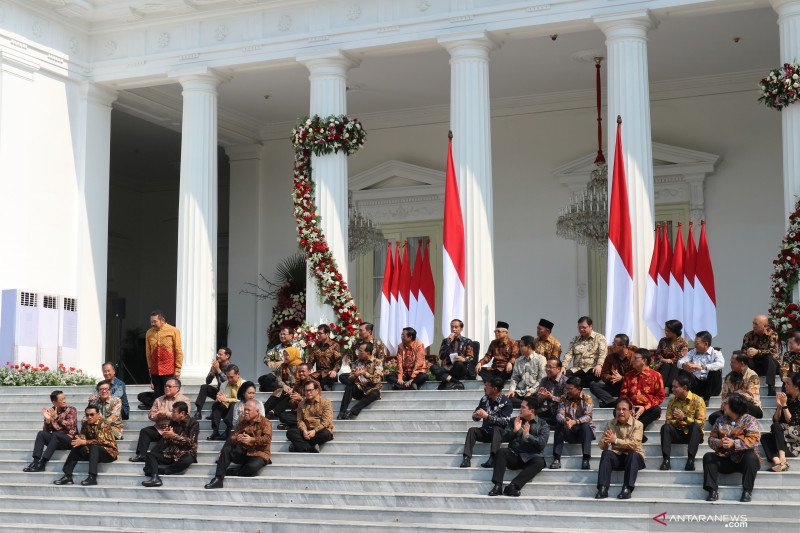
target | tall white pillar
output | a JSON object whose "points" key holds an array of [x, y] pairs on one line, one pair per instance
{"points": [[789, 28], [93, 184], [196, 299], [472, 156], [328, 77], [629, 97]]}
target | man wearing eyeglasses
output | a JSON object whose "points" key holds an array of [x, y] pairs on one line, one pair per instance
{"points": [[109, 407], [95, 443], [314, 421], [161, 415]]}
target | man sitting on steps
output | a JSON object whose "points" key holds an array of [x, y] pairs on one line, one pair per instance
{"points": [[364, 383], [494, 412], [177, 449], [314, 421], [95, 443], [161, 416], [60, 427], [574, 423]]}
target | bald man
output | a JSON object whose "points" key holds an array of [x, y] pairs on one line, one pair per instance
{"points": [[760, 345]]}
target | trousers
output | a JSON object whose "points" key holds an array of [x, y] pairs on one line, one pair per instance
{"points": [[509, 459], [774, 441], [249, 466], [47, 443], [206, 391], [579, 434], [147, 435], [493, 435], [713, 465], [96, 454], [302, 445], [418, 380], [670, 434], [606, 392], [350, 392], [631, 463], [156, 464]]}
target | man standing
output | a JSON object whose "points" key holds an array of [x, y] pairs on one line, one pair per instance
{"points": [[60, 427], [502, 352], [527, 436], [326, 355], [546, 344], [226, 398], [622, 450], [177, 449], [494, 412], [551, 391], [314, 421], [109, 407], [528, 371], [95, 443], [761, 346], [164, 352], [705, 364], [686, 414], [274, 358], [456, 358], [412, 369], [616, 365], [644, 388], [248, 446], [364, 383], [586, 353], [161, 415], [574, 423]]}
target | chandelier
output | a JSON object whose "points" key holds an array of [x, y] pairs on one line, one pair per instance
{"points": [[362, 235], [585, 219]]}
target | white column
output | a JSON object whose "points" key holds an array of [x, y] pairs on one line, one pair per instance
{"points": [[196, 299], [629, 97], [472, 156], [328, 77], [93, 184], [789, 27]]}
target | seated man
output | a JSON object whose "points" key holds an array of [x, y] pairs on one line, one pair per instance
{"points": [[60, 427], [670, 349], [527, 436], [546, 344], [528, 372], [379, 351], [248, 447], [551, 391], [586, 353], [285, 380], [616, 365], [226, 398], [117, 388], [177, 449], [326, 355], [622, 450], [494, 412], [502, 352], [287, 413], [274, 358], [784, 436], [314, 421], [644, 388], [761, 345], [574, 423], [161, 415], [734, 440], [705, 364], [412, 369], [456, 358], [95, 443], [109, 407], [744, 381], [791, 358], [364, 383], [686, 414], [218, 371]]}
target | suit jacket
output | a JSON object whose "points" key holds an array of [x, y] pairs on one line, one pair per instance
{"points": [[530, 446]]}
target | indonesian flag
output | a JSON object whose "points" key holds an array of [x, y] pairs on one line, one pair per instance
{"points": [[394, 333], [619, 296], [705, 298], [386, 296], [414, 294], [454, 263], [675, 305], [649, 313], [664, 265], [404, 292], [426, 307], [688, 285]]}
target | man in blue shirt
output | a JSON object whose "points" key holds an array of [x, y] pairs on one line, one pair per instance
{"points": [[705, 364]]}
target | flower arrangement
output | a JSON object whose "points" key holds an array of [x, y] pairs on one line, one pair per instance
{"points": [[781, 86], [785, 314], [322, 136], [26, 374]]}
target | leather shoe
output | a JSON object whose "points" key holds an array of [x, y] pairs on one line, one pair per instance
{"points": [[341, 416], [489, 462], [64, 480], [555, 465], [497, 490], [746, 497], [215, 483], [585, 465], [90, 480], [511, 490], [465, 462], [154, 481], [665, 464], [283, 427], [770, 391], [215, 436], [689, 465], [713, 496], [137, 459], [31, 467], [601, 494], [625, 494], [644, 439]]}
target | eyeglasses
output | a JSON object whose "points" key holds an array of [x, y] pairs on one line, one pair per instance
{"points": [[170, 386], [90, 414], [103, 389]]}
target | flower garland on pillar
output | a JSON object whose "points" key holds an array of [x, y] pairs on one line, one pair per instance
{"points": [[322, 136], [785, 314]]}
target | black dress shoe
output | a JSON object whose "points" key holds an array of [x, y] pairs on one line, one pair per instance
{"points": [[489, 462], [689, 465], [713, 496], [555, 465], [142, 407], [497, 490], [64, 480], [341, 416], [154, 481], [585, 465], [665, 464], [601, 494], [31, 467], [137, 459], [770, 391], [215, 483], [644, 439], [89, 481], [625, 494], [283, 427], [511, 490], [215, 436], [746, 497], [465, 462]]}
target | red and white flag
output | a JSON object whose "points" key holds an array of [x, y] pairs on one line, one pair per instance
{"points": [[414, 294], [619, 295], [404, 292], [675, 305], [705, 298], [453, 250], [664, 265], [688, 285], [426, 307], [386, 296], [394, 333], [651, 292]]}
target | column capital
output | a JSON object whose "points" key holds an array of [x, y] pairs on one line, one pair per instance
{"points": [[328, 62], [786, 8], [98, 94], [474, 45], [243, 152], [200, 78], [631, 24]]}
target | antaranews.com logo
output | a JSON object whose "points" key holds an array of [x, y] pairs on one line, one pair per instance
{"points": [[729, 520]]}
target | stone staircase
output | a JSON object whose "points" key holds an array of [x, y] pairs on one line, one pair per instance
{"points": [[395, 467]]}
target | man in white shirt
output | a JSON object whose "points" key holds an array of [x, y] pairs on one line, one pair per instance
{"points": [[705, 364], [527, 373]]}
